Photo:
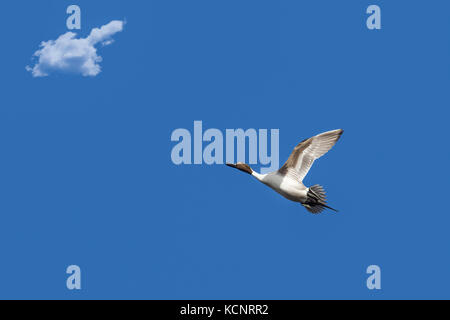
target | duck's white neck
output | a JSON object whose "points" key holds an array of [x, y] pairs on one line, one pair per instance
{"points": [[258, 176]]}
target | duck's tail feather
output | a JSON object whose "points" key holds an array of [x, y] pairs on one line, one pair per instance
{"points": [[316, 200]]}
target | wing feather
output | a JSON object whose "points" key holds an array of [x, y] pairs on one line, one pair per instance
{"points": [[309, 150]]}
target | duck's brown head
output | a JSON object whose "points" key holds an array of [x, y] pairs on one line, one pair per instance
{"points": [[241, 166]]}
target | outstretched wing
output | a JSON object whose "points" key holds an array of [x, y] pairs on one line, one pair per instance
{"points": [[307, 151]]}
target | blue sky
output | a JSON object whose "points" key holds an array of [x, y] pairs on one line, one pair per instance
{"points": [[87, 177]]}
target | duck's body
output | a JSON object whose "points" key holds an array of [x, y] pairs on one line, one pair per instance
{"points": [[286, 185], [288, 180]]}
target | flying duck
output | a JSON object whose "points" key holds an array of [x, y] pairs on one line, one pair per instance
{"points": [[288, 180]]}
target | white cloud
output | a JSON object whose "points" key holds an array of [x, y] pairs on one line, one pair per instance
{"points": [[68, 54]]}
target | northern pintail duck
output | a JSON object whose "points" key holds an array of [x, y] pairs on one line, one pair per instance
{"points": [[288, 180]]}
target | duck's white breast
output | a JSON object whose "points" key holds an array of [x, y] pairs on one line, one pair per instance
{"points": [[287, 186]]}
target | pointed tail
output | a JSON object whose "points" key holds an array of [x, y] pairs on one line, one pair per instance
{"points": [[316, 200]]}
